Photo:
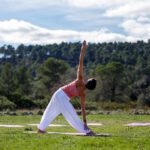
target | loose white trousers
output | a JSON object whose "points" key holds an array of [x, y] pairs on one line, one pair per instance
{"points": [[60, 104]]}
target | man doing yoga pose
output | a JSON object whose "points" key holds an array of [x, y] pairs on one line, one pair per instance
{"points": [[60, 101]]}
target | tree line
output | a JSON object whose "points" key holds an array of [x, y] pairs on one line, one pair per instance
{"points": [[30, 74]]}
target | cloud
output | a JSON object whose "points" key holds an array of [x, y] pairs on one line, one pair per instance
{"points": [[143, 19], [95, 3], [137, 28], [131, 9], [21, 5], [36, 4], [115, 8], [93, 20], [18, 31]]}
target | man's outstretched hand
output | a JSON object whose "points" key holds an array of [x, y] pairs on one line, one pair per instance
{"points": [[90, 133], [84, 46]]}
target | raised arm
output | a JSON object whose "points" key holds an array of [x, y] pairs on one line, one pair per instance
{"points": [[80, 67], [80, 83]]}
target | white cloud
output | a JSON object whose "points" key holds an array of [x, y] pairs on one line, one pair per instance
{"points": [[133, 16], [96, 3], [131, 9], [137, 29], [16, 32], [36, 4], [15, 4], [21, 5], [143, 19]]}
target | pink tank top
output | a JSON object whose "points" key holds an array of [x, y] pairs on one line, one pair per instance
{"points": [[71, 89]]}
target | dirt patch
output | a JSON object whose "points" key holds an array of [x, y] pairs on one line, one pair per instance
{"points": [[51, 125], [11, 126], [94, 124], [62, 125], [70, 133], [134, 124]]}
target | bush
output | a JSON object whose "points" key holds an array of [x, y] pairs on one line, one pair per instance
{"points": [[6, 104], [41, 103], [113, 106], [90, 105], [25, 103], [40, 112], [76, 103], [22, 102], [143, 100]]}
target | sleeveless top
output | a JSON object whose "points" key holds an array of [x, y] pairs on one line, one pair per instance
{"points": [[71, 89]]}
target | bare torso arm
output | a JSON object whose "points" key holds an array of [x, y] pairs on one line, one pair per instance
{"points": [[80, 80], [80, 67], [81, 86]]}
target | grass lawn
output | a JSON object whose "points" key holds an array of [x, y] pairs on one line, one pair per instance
{"points": [[122, 137]]}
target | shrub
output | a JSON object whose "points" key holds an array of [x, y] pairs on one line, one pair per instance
{"points": [[90, 105], [41, 103], [113, 105], [22, 102], [76, 103], [6, 104]]}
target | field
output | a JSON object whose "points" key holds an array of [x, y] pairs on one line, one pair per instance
{"points": [[122, 137]]}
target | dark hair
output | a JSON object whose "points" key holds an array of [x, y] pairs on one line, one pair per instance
{"points": [[90, 84]]}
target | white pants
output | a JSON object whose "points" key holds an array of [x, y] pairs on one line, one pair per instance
{"points": [[60, 104]]}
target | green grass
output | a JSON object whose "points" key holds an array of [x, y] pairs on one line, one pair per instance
{"points": [[122, 137]]}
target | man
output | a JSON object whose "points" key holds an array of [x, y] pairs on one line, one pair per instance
{"points": [[60, 101]]}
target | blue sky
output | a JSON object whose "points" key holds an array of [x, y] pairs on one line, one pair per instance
{"points": [[56, 21]]}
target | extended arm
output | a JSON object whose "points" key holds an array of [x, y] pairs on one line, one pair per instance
{"points": [[83, 109], [80, 83], [80, 67], [84, 114]]}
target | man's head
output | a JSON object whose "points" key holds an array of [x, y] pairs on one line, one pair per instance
{"points": [[90, 84]]}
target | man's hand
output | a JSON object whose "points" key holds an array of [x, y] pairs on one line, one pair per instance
{"points": [[84, 44], [84, 47]]}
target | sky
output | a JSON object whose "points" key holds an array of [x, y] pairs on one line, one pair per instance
{"points": [[55, 21]]}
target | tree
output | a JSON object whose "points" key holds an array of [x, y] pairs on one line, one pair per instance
{"points": [[7, 82], [110, 75], [23, 81], [51, 71]]}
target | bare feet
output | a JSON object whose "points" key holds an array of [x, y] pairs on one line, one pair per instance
{"points": [[40, 131], [91, 133]]}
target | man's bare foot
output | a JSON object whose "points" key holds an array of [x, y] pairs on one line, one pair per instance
{"points": [[40, 131], [91, 133]]}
